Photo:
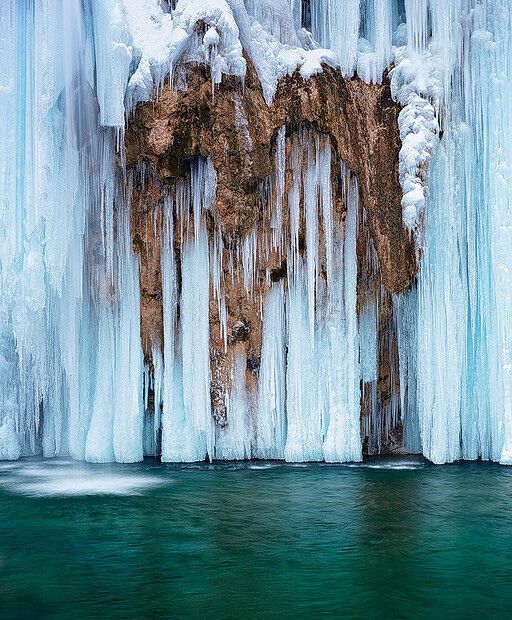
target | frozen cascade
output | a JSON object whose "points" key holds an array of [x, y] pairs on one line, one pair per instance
{"points": [[195, 335], [70, 301], [307, 403], [458, 325], [73, 377]]}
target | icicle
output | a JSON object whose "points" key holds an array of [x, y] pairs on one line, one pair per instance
{"points": [[195, 335], [294, 207], [304, 432], [327, 212], [177, 432], [211, 41], [336, 25], [248, 259], [127, 353], [368, 341], [278, 188], [342, 439], [187, 423], [217, 276], [271, 416], [233, 440], [311, 186]]}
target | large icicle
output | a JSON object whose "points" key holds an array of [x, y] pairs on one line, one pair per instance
{"points": [[342, 371], [178, 437], [322, 373], [304, 430], [187, 422], [271, 415]]}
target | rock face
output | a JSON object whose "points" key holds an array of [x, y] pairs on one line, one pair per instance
{"points": [[233, 126]]}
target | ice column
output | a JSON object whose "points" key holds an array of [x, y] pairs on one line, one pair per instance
{"points": [[271, 414], [188, 432]]}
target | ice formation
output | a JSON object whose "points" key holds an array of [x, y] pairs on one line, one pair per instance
{"points": [[73, 378], [460, 374]]}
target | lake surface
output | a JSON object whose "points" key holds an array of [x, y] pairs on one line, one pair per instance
{"points": [[390, 538]]}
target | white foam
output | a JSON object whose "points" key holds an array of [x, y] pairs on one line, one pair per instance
{"points": [[263, 466], [50, 478], [393, 465]]}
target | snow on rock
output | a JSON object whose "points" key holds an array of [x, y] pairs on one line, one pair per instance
{"points": [[217, 32], [416, 83], [162, 40], [272, 59]]}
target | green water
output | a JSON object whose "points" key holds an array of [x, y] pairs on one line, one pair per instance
{"points": [[390, 539]]}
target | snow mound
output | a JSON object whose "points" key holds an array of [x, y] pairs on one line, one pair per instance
{"points": [[217, 32]]}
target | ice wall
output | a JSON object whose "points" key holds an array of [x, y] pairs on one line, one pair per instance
{"points": [[71, 372], [458, 324]]}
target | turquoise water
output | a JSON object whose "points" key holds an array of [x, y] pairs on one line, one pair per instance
{"points": [[387, 539]]}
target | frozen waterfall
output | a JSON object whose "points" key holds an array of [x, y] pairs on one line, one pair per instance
{"points": [[75, 378]]}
